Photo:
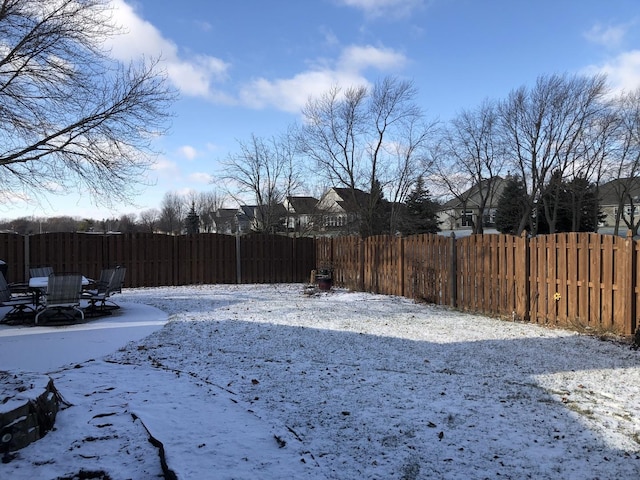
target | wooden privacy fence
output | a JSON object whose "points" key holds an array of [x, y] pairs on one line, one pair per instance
{"points": [[572, 280], [158, 260]]}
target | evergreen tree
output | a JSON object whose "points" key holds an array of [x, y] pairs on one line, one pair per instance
{"points": [[192, 222], [381, 212], [376, 213], [578, 208], [421, 212], [511, 206]]}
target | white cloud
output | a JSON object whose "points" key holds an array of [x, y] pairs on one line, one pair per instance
{"points": [[188, 152], [291, 94], [330, 38], [191, 76], [183, 192], [385, 8], [623, 71], [201, 178], [201, 75], [165, 168], [358, 58], [610, 36]]}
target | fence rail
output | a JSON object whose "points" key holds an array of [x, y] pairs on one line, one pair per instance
{"points": [[572, 280]]}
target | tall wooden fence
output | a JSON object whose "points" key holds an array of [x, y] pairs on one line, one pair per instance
{"points": [[158, 260], [574, 280]]}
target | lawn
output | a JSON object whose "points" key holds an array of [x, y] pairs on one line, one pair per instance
{"points": [[263, 381]]}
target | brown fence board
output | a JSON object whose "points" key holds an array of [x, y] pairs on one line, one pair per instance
{"points": [[269, 259], [572, 276], [608, 284], [12, 252]]}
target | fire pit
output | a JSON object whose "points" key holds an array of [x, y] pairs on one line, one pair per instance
{"points": [[324, 278]]}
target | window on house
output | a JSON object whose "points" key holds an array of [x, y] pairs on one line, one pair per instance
{"points": [[489, 217], [467, 218]]}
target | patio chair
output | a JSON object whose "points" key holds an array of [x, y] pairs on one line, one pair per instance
{"points": [[111, 281], [103, 282], [62, 296], [40, 271], [20, 304]]}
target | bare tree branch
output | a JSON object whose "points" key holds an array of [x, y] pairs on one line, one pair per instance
{"points": [[71, 116]]}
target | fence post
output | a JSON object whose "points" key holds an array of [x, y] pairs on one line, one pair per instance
{"points": [[453, 274], [27, 242], [401, 266], [361, 266], [522, 279], [629, 319], [238, 261]]}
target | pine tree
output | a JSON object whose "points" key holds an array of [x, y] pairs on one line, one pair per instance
{"points": [[510, 208], [578, 209], [421, 212], [192, 222]]}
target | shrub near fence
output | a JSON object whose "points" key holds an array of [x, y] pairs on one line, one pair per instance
{"points": [[158, 260], [573, 280]]}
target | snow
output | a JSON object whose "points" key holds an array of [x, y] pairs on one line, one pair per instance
{"points": [[263, 381]]}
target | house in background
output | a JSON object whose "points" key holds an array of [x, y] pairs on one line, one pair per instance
{"points": [[339, 211], [301, 213], [620, 193], [336, 213], [463, 211], [224, 221], [259, 218]]}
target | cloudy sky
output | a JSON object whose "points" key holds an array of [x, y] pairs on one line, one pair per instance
{"points": [[247, 67]]}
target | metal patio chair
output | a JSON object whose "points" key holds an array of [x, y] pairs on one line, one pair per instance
{"points": [[62, 296], [40, 271], [21, 305], [111, 281]]}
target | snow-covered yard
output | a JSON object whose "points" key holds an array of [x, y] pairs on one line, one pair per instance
{"points": [[262, 381]]}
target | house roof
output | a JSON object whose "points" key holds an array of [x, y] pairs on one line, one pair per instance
{"points": [[611, 192], [302, 205], [472, 195], [226, 213], [350, 200], [255, 211]]}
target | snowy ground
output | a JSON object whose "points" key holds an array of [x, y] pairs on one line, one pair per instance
{"points": [[247, 382]]}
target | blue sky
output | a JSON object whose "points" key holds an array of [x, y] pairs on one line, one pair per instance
{"points": [[248, 66]]}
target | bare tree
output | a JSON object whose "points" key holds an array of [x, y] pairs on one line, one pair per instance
{"points": [[266, 171], [206, 204], [367, 139], [408, 161], [471, 160], [58, 224], [542, 128], [70, 115], [625, 162], [172, 213], [150, 219], [127, 223], [596, 161]]}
